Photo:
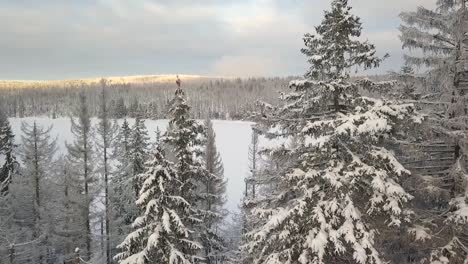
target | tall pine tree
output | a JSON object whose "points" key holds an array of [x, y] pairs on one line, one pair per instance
{"points": [[106, 132], [340, 185]]}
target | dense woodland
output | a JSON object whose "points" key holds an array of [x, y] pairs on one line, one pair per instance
{"points": [[362, 171], [214, 97]]}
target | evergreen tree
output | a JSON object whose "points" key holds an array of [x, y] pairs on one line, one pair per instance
{"points": [[8, 163], [80, 158], [139, 144], [120, 108], [162, 233], [441, 192], [134, 109], [9, 231], [437, 34], [213, 199], [106, 135], [123, 199], [37, 153], [185, 138], [339, 185]]}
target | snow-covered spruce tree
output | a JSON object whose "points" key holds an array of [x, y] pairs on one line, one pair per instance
{"points": [[214, 198], [340, 185], [122, 198], [37, 154], [184, 139], [8, 163], [106, 133], [139, 144], [81, 161], [162, 233]]}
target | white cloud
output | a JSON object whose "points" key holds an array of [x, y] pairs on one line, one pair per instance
{"points": [[246, 66], [59, 39]]}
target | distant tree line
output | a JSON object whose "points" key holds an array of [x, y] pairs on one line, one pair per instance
{"points": [[214, 98]]}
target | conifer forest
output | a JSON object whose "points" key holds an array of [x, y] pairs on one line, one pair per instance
{"points": [[340, 155]]}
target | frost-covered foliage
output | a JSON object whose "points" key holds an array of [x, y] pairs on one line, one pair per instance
{"points": [[336, 36], [8, 162], [162, 234], [435, 36], [339, 185]]}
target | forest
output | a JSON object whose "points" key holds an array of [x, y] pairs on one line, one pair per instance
{"points": [[144, 96], [342, 167]]}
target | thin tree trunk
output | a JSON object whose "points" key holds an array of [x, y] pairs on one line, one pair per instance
{"points": [[336, 101], [106, 180], [37, 201], [87, 200]]}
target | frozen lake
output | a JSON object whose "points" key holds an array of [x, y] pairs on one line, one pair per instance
{"points": [[232, 139]]}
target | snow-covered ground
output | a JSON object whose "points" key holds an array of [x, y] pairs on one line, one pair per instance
{"points": [[232, 139]]}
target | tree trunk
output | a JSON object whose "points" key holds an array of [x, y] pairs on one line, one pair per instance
{"points": [[37, 201], [87, 200], [336, 101], [106, 181], [12, 254]]}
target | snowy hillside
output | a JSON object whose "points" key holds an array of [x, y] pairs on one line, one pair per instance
{"points": [[233, 149]]}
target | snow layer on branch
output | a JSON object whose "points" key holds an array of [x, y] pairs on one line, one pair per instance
{"points": [[420, 233]]}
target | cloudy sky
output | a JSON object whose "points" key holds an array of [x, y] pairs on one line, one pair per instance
{"points": [[61, 39]]}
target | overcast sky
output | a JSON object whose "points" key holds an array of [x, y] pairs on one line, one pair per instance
{"points": [[61, 39]]}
